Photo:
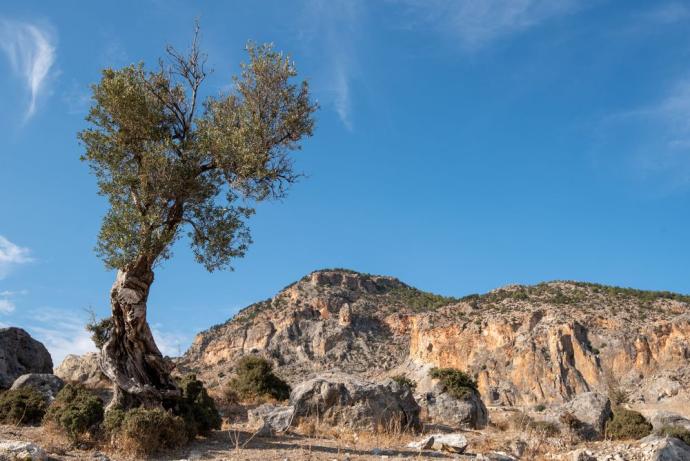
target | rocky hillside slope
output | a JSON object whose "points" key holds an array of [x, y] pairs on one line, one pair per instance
{"points": [[524, 344]]}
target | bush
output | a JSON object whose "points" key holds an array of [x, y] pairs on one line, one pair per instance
{"points": [[404, 381], [143, 432], [628, 424], [539, 407], [197, 408], [255, 378], [22, 406], [677, 432], [76, 411], [457, 383]]}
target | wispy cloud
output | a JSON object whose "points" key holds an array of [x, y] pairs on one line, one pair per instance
{"points": [[6, 306], [11, 255], [331, 29], [656, 136], [478, 22], [30, 50], [62, 331], [172, 344], [669, 13]]}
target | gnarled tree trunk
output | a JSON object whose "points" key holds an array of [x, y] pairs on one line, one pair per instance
{"points": [[130, 357]]}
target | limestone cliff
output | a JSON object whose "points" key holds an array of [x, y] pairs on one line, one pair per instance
{"points": [[524, 344]]}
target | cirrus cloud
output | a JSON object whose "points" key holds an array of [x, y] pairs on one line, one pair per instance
{"points": [[30, 50]]}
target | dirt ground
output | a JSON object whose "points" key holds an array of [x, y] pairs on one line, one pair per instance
{"points": [[235, 444]]}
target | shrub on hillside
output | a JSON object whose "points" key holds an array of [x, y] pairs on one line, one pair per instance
{"points": [[22, 406], [404, 381], [75, 411], [677, 432], [628, 424], [143, 432], [255, 379], [197, 408], [525, 423], [457, 383]]}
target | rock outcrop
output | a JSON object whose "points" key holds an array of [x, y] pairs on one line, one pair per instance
{"points": [[83, 369], [525, 345], [15, 450], [339, 399], [21, 354]]}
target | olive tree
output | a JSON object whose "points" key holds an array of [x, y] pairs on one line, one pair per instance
{"points": [[172, 164]]}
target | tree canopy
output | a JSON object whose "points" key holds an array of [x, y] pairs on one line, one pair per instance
{"points": [[169, 162]]}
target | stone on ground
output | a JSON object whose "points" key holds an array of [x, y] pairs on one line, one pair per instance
{"points": [[46, 384], [442, 408], [271, 419], [592, 409], [14, 450], [454, 443], [340, 399]]}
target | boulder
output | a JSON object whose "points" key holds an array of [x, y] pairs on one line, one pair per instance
{"points": [[341, 399], [83, 369], [442, 408], [270, 419], [454, 443], [592, 410], [48, 385], [12, 450], [660, 419], [664, 449], [21, 354]]}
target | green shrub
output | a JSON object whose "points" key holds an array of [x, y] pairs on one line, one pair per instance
{"points": [[76, 411], [539, 407], [677, 432], [628, 424], [197, 408], [22, 406], [404, 381], [255, 378], [143, 432], [457, 383]]}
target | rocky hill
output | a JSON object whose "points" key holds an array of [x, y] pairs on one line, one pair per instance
{"points": [[524, 344]]}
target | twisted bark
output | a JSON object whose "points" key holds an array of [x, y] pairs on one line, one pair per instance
{"points": [[130, 357]]}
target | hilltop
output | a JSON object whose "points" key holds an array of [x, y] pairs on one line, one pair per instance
{"points": [[524, 344]]}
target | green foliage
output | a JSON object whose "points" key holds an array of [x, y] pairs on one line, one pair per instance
{"points": [[100, 330], [457, 383], [76, 411], [404, 381], [197, 408], [420, 301], [677, 432], [539, 407], [143, 432], [255, 378], [618, 396], [22, 406], [168, 162], [627, 424]]}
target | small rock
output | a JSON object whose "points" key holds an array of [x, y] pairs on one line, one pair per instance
{"points": [[581, 455], [454, 443], [21, 451], [495, 456]]}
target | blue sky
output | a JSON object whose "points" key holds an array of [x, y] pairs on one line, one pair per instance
{"points": [[460, 146]]}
